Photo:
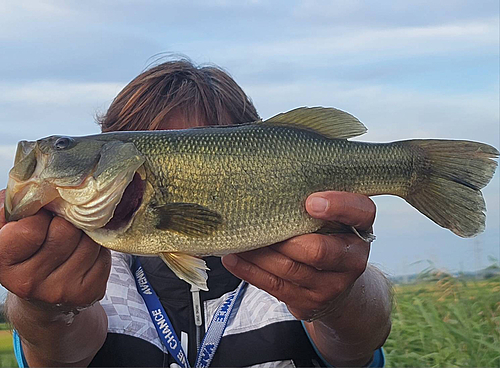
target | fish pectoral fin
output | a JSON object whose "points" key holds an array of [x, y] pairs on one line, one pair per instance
{"points": [[336, 227], [329, 122], [189, 219], [191, 269]]}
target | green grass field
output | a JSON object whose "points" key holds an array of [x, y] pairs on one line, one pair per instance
{"points": [[446, 323], [6, 353], [443, 323]]}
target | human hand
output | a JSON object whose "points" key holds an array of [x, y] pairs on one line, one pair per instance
{"points": [[49, 262], [312, 273]]}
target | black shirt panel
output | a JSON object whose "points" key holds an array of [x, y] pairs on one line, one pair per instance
{"points": [[168, 286], [274, 342], [285, 340], [175, 294], [128, 351], [175, 297]]}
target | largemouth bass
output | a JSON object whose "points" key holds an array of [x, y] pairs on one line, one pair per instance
{"points": [[191, 193]]}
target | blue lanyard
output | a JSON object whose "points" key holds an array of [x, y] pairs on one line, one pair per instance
{"points": [[165, 328]]}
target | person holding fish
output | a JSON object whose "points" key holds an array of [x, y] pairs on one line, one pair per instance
{"points": [[293, 287]]}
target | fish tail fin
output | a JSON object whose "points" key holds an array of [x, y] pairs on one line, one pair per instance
{"points": [[446, 188]]}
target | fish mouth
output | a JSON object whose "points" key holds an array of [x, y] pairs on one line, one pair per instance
{"points": [[25, 200], [113, 211], [26, 194], [130, 202], [97, 186], [89, 206]]}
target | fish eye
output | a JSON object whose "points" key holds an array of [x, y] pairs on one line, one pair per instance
{"points": [[63, 143]]}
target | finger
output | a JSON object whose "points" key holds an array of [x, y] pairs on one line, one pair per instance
{"points": [[283, 290], [73, 288], [100, 269], [338, 253], [81, 260], [2, 208], [19, 240], [284, 267], [348, 208], [95, 280], [61, 241]]}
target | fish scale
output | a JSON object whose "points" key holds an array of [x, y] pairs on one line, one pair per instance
{"points": [[220, 190], [256, 184]]}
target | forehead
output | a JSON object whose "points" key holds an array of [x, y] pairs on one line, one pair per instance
{"points": [[178, 120]]}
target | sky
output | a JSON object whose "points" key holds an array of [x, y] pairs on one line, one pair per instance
{"points": [[412, 69]]}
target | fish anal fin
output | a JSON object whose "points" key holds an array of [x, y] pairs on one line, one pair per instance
{"points": [[329, 122], [191, 269], [188, 219]]}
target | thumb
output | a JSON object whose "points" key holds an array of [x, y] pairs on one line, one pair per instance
{"points": [[347, 208]]}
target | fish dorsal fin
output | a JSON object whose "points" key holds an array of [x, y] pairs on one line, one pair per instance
{"points": [[327, 121]]}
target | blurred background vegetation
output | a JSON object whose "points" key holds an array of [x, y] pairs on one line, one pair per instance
{"points": [[442, 320], [439, 320]]}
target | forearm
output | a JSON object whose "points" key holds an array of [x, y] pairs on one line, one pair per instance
{"points": [[358, 325], [50, 338]]}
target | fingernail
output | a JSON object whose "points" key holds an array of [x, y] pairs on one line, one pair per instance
{"points": [[318, 204], [230, 260]]}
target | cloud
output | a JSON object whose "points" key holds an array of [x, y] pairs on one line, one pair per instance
{"points": [[36, 109], [334, 46], [390, 113], [7, 153], [426, 69], [45, 9], [57, 93], [250, 35], [390, 13], [31, 13]]}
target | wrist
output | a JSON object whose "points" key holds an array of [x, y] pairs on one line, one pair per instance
{"points": [[28, 310], [365, 306], [332, 309], [41, 312], [359, 325], [51, 336]]}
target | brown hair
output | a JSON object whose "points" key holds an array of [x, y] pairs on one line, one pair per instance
{"points": [[201, 95]]}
